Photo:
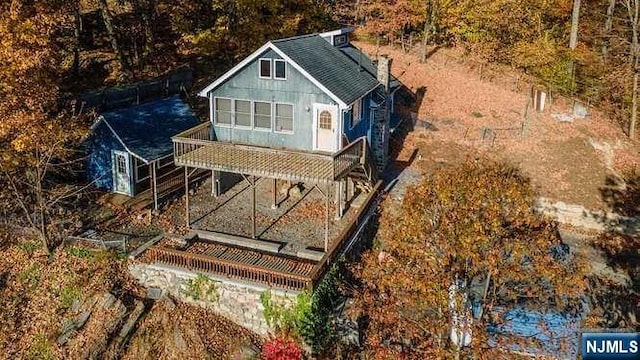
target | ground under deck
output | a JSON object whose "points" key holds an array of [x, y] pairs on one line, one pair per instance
{"points": [[298, 222]]}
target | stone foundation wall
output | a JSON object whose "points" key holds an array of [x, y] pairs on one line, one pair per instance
{"points": [[579, 216], [236, 301]]}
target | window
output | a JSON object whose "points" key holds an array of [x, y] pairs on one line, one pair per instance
{"points": [[243, 113], [279, 69], [142, 170], [121, 164], [356, 113], [324, 120], [262, 115], [340, 40], [284, 118], [265, 68], [223, 111]]}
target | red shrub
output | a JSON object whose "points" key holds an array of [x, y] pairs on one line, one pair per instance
{"points": [[281, 349]]}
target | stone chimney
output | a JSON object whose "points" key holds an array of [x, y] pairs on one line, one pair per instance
{"points": [[384, 64]]}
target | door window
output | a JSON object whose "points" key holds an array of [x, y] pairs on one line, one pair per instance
{"points": [[324, 121]]}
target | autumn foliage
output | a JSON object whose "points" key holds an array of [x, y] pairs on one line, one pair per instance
{"points": [[472, 224]]}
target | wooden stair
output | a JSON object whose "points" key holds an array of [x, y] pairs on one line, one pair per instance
{"points": [[365, 175]]}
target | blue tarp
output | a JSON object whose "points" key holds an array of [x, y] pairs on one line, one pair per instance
{"points": [[522, 330], [146, 130]]}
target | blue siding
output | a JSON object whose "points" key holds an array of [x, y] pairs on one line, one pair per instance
{"points": [[296, 90], [548, 334], [99, 164], [362, 127]]}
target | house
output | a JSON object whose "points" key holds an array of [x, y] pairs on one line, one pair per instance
{"points": [[311, 109], [308, 113], [130, 150], [310, 93]]}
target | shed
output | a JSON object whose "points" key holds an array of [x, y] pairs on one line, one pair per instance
{"points": [[129, 149]]}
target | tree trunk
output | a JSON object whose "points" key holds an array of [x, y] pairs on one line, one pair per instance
{"points": [[425, 32], [42, 223], [575, 20], [76, 40], [108, 23], [633, 10], [608, 24], [146, 9], [149, 17], [634, 103]]}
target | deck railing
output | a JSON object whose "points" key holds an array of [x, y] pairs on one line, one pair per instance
{"points": [[348, 158], [345, 236], [211, 265], [195, 148]]}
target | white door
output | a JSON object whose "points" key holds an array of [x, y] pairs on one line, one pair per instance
{"points": [[121, 173], [325, 128]]}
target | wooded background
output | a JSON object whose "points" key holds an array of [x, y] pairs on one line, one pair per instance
{"points": [[53, 49]]}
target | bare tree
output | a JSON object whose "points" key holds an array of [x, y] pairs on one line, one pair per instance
{"points": [[35, 193], [633, 12], [608, 25], [575, 21], [108, 23]]}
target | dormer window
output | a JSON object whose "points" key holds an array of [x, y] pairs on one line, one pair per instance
{"points": [[265, 68], [279, 69]]}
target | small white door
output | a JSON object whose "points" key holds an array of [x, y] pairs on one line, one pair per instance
{"points": [[325, 128], [121, 173]]}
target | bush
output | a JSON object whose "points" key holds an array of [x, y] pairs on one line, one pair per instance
{"points": [[310, 318], [281, 348], [202, 288]]}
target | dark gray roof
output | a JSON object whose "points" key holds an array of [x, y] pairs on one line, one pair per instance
{"points": [[361, 58], [328, 65], [146, 130]]}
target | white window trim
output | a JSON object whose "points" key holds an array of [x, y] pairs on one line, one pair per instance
{"points": [[260, 68], [233, 116], [137, 164], [346, 39], [355, 121], [215, 112], [285, 69], [293, 119], [253, 120]]}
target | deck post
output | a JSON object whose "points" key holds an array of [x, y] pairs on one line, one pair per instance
{"points": [[275, 194], [186, 195], [339, 199], [326, 223], [214, 183], [154, 184], [253, 207]]}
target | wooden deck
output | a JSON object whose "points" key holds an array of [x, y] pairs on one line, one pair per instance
{"points": [[194, 148], [236, 263], [252, 265]]}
